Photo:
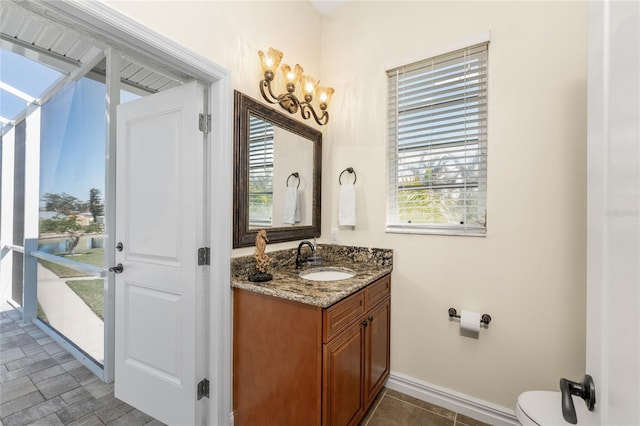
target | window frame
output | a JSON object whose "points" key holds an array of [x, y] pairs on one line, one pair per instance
{"points": [[261, 159], [472, 177]]}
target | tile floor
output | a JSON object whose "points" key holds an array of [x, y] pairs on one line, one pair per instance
{"points": [[393, 408], [41, 384]]}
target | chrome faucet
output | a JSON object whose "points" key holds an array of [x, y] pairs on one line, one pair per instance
{"points": [[299, 260]]}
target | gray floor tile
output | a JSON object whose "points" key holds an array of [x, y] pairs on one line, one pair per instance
{"points": [[23, 362], [57, 385], [37, 334], [7, 331], [89, 420], [71, 365], [132, 418], [31, 349], [155, 422], [112, 408], [34, 413], [44, 340], [14, 405], [72, 413], [53, 348], [30, 369], [76, 395], [16, 388], [45, 374], [62, 357], [83, 375], [8, 355], [98, 388], [50, 420], [10, 342]]}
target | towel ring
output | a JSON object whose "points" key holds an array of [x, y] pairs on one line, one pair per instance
{"points": [[351, 171], [295, 175]]}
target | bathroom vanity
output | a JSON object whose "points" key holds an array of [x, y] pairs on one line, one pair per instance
{"points": [[311, 352]]}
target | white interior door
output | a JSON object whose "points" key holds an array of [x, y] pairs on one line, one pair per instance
{"points": [[158, 221], [613, 243]]}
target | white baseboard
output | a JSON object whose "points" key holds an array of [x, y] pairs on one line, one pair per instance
{"points": [[460, 403]]}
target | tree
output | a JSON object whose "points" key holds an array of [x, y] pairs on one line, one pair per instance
{"points": [[61, 225], [75, 235], [61, 203], [58, 225], [67, 205], [96, 208]]}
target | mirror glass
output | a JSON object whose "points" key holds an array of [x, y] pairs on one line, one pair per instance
{"points": [[280, 176], [277, 175]]}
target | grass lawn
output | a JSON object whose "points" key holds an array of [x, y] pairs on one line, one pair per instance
{"points": [[93, 257], [41, 315], [92, 292]]}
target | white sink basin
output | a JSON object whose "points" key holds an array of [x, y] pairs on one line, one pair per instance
{"points": [[327, 274]]}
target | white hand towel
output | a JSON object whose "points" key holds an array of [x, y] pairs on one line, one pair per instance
{"points": [[347, 205], [291, 211]]}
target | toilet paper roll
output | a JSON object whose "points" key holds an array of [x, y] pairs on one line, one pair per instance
{"points": [[470, 321]]}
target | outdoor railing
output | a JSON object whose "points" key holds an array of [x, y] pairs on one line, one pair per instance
{"points": [[77, 266]]}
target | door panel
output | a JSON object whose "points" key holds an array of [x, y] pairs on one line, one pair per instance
{"points": [[157, 189], [158, 203], [377, 349], [343, 363], [613, 212]]}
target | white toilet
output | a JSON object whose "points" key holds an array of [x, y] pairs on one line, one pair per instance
{"points": [[542, 408]]}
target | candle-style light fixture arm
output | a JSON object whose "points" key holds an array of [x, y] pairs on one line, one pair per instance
{"points": [[269, 96], [306, 110], [294, 79]]}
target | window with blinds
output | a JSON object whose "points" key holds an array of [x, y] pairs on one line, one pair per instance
{"points": [[437, 117], [260, 172]]}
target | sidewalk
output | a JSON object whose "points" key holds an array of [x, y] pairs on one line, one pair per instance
{"points": [[67, 313]]}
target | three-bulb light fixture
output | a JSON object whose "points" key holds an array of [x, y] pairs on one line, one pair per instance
{"points": [[294, 79]]}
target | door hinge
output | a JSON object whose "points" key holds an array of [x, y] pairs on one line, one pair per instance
{"points": [[203, 389], [203, 256], [204, 123]]}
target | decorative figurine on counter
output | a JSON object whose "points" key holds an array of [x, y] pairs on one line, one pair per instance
{"points": [[262, 259]]}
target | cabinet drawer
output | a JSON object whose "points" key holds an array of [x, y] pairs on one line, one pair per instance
{"points": [[340, 315], [376, 292]]}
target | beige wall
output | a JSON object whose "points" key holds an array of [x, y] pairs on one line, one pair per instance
{"points": [[529, 272], [230, 33]]}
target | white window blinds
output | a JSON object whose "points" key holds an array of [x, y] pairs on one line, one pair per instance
{"points": [[260, 172], [437, 121]]}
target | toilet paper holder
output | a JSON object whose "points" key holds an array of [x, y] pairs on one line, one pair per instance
{"points": [[484, 319]]}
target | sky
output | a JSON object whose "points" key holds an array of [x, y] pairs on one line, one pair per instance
{"points": [[73, 125], [72, 134], [25, 75], [72, 147]]}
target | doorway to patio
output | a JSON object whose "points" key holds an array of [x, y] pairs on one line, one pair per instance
{"points": [[134, 57]]}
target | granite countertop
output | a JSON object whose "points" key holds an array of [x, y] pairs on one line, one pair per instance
{"points": [[369, 264]]}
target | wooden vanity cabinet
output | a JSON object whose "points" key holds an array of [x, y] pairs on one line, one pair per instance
{"points": [[300, 364], [356, 358]]}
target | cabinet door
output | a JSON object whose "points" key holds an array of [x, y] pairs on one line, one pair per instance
{"points": [[377, 349], [343, 393]]}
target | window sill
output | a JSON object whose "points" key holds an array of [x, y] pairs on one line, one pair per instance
{"points": [[450, 231]]}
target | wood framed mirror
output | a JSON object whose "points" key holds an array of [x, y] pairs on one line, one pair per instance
{"points": [[277, 175]]}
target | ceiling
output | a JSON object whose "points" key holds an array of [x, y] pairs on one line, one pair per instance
{"points": [[70, 52], [326, 6]]}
